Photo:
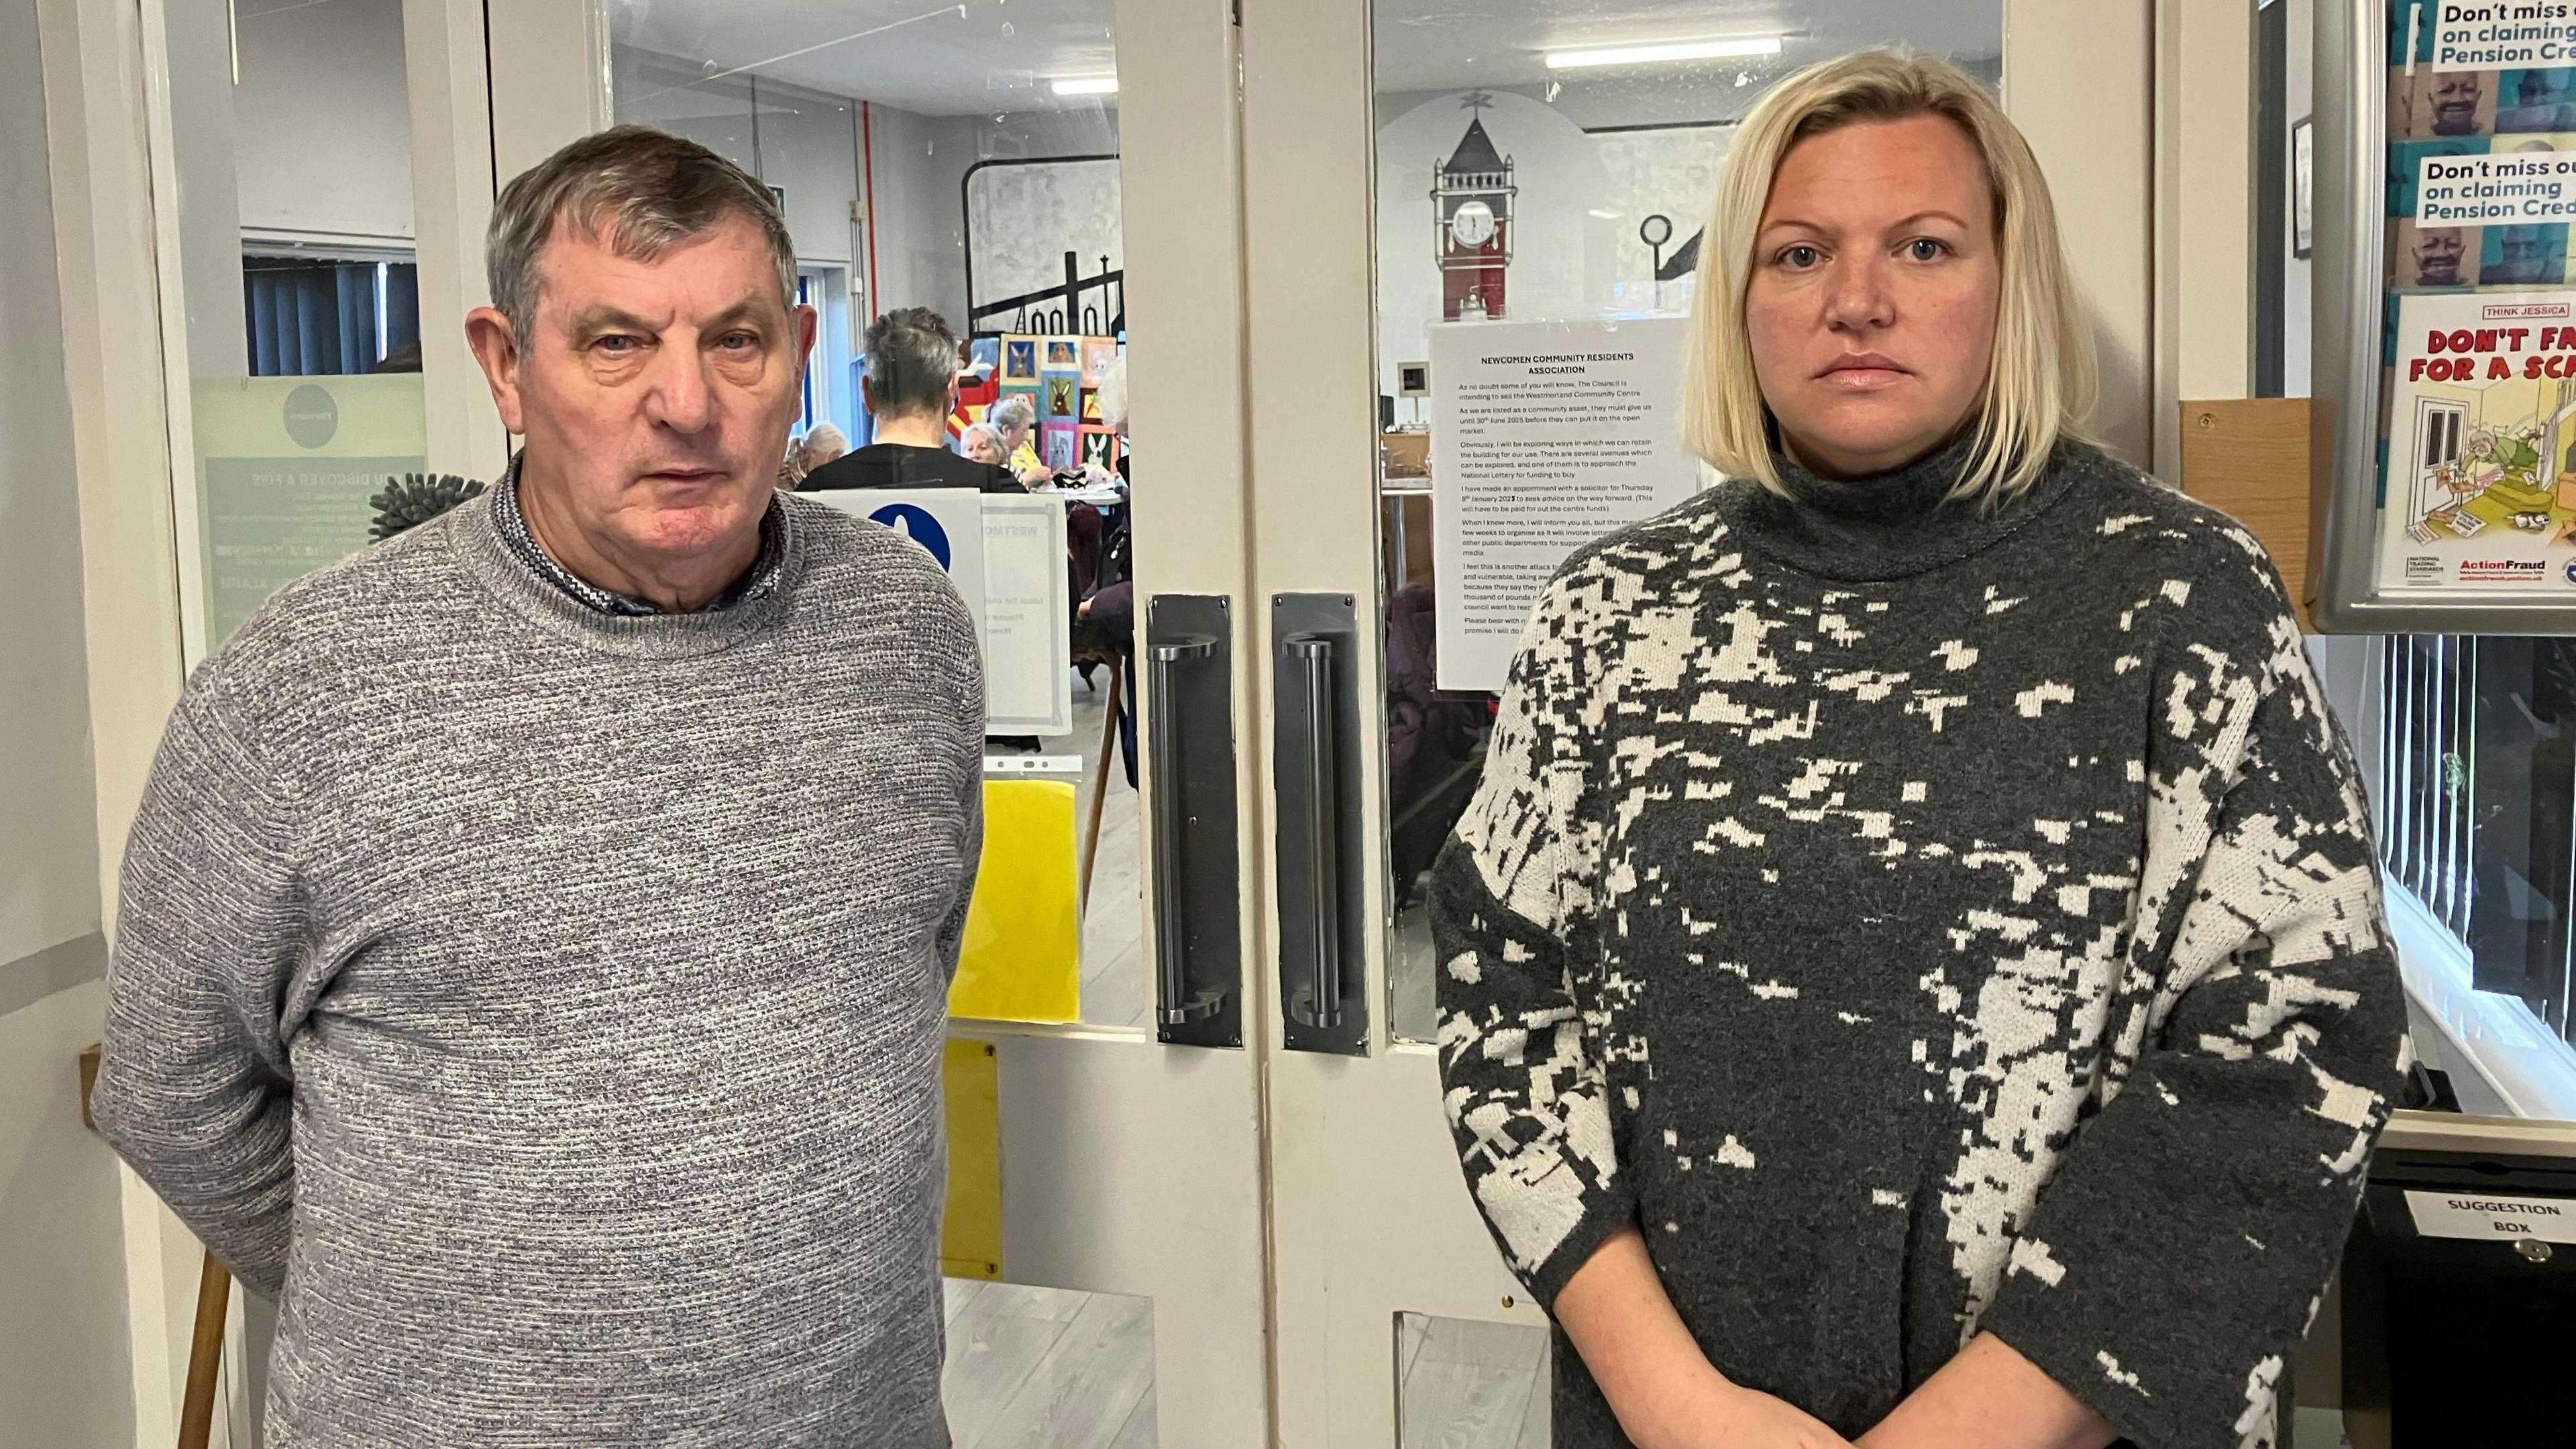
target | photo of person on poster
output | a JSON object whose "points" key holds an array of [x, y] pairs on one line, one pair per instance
{"points": [[2436, 257], [2461, 103], [2524, 256], [2535, 100]]}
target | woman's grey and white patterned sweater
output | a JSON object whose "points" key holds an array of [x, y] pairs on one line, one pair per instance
{"points": [[1922, 920]]}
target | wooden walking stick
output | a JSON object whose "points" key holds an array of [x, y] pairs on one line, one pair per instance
{"points": [[205, 1355]]}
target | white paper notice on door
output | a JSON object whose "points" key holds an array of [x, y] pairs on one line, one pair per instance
{"points": [[1544, 437], [2492, 1215], [1028, 618]]}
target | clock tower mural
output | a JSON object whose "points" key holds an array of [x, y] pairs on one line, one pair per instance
{"points": [[1471, 210]]}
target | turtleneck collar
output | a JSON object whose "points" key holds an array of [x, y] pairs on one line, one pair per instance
{"points": [[1889, 525]]}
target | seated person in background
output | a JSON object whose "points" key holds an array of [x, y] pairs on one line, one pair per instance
{"points": [[819, 446], [910, 388], [1016, 418], [983, 443]]}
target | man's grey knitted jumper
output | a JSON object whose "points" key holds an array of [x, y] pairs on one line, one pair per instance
{"points": [[546, 1005]]}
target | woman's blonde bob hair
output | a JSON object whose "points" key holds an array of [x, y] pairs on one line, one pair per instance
{"points": [[2039, 387]]}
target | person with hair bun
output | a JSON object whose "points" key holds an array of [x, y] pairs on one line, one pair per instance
{"points": [[911, 390], [1913, 971]]}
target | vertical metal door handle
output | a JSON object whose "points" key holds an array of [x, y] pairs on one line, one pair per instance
{"points": [[1314, 656], [1174, 1006]]}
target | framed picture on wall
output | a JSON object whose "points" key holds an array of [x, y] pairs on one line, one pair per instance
{"points": [[1063, 397], [1059, 446], [1019, 359], [2303, 188], [1099, 448], [1099, 354]]}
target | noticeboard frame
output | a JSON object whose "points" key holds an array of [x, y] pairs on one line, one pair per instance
{"points": [[2351, 116]]}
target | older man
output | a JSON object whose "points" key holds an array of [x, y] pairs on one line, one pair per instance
{"points": [[458, 998]]}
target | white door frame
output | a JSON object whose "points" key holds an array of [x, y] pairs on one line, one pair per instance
{"points": [[1370, 1213], [1129, 1166]]}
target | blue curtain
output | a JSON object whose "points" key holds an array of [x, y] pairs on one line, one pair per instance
{"points": [[319, 318]]}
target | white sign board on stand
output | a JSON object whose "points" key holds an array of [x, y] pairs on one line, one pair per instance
{"points": [[1006, 555], [944, 521], [1544, 437]]}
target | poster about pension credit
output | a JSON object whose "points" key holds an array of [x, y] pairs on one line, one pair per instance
{"points": [[2480, 494], [2481, 143]]}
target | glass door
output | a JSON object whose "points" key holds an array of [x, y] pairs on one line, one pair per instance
{"points": [[1018, 170], [1013, 168], [1439, 204]]}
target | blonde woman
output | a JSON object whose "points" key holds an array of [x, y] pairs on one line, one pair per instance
{"points": [[1913, 971]]}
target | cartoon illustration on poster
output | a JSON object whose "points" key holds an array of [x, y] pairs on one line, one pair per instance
{"points": [[2480, 491]]}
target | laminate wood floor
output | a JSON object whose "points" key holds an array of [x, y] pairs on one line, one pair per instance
{"points": [[1045, 1368], [1050, 1367], [1462, 1384]]}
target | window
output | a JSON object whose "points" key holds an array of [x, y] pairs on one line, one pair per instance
{"points": [[831, 391], [807, 285], [316, 317], [2476, 803]]}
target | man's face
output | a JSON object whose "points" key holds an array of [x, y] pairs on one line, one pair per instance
{"points": [[2455, 103], [2437, 257], [656, 396]]}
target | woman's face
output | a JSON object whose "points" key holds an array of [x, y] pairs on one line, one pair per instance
{"points": [[981, 449], [1012, 437], [1871, 304]]}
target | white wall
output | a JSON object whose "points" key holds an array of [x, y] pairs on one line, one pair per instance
{"points": [[202, 153], [920, 165], [808, 142], [914, 165], [826, 152], [323, 120], [63, 1358]]}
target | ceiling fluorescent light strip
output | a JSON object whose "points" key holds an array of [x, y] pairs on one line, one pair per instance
{"points": [[1088, 85], [1679, 50]]}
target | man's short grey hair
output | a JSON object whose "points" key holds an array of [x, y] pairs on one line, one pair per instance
{"points": [[635, 188], [912, 362], [1015, 412]]}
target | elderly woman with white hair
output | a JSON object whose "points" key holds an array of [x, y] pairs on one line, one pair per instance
{"points": [[983, 443], [1016, 418], [821, 444], [1913, 970]]}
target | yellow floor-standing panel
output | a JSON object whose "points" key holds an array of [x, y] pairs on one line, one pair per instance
{"points": [[1020, 962], [1021, 956], [970, 1236]]}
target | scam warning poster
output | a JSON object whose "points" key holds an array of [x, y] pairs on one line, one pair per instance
{"points": [[2480, 493]]}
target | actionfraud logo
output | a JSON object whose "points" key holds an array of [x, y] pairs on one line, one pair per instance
{"points": [[2502, 571]]}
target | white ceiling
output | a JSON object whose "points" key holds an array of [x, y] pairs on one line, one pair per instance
{"points": [[999, 55]]}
